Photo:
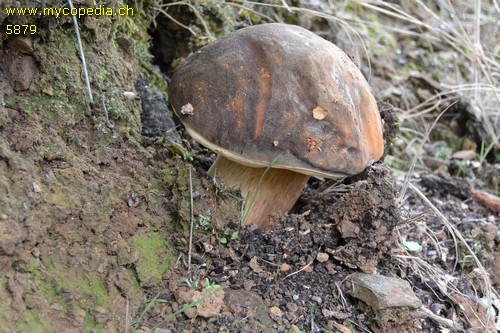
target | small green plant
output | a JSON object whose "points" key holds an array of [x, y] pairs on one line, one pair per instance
{"points": [[410, 246], [486, 150], [144, 312], [204, 221], [191, 284], [467, 259], [462, 166], [224, 240], [210, 287]]}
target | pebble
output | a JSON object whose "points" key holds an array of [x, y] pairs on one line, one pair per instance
{"points": [[284, 267], [275, 313], [35, 252], [317, 299], [56, 307], [292, 307], [322, 257], [21, 44], [330, 267], [308, 269], [100, 310]]}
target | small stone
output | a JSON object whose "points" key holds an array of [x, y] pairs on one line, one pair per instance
{"points": [[317, 299], [209, 307], [322, 257], [381, 292], [79, 315], [22, 70], [36, 188], [100, 310], [35, 252], [133, 200], [49, 91], [129, 95], [90, 22], [21, 44], [292, 307], [308, 269], [56, 307], [284, 267], [327, 313], [336, 327], [466, 155], [490, 231], [161, 330], [125, 43], [248, 284], [275, 313], [255, 265]]}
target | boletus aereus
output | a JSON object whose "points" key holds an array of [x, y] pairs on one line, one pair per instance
{"points": [[277, 95]]}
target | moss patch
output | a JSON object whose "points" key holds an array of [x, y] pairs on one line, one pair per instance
{"points": [[155, 258]]}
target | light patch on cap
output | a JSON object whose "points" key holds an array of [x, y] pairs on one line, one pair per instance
{"points": [[187, 109], [319, 113]]}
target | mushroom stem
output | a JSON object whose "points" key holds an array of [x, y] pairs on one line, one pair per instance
{"points": [[278, 191]]}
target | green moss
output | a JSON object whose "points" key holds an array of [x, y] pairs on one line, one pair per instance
{"points": [[452, 140], [34, 322], [5, 309], [30, 320], [154, 258]]}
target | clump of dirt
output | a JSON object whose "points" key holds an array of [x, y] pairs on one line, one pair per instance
{"points": [[357, 229]]}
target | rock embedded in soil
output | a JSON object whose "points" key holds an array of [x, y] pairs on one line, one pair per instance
{"points": [[250, 306], [21, 44], [20, 70], [381, 292], [275, 313], [156, 117], [210, 306], [322, 257], [284, 267]]}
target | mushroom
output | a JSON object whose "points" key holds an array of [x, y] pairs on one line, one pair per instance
{"points": [[277, 95]]}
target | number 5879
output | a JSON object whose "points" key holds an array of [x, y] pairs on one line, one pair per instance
{"points": [[20, 29]]}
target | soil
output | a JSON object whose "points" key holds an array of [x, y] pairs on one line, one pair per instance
{"points": [[97, 200]]}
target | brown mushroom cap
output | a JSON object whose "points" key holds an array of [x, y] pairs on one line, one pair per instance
{"points": [[279, 90]]}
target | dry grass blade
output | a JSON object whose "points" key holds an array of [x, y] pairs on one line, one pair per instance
{"points": [[300, 270], [191, 225], [453, 27], [162, 9], [170, 17], [82, 55], [406, 182], [489, 291]]}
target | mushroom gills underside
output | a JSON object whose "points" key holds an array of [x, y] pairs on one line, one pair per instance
{"points": [[253, 163]]}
